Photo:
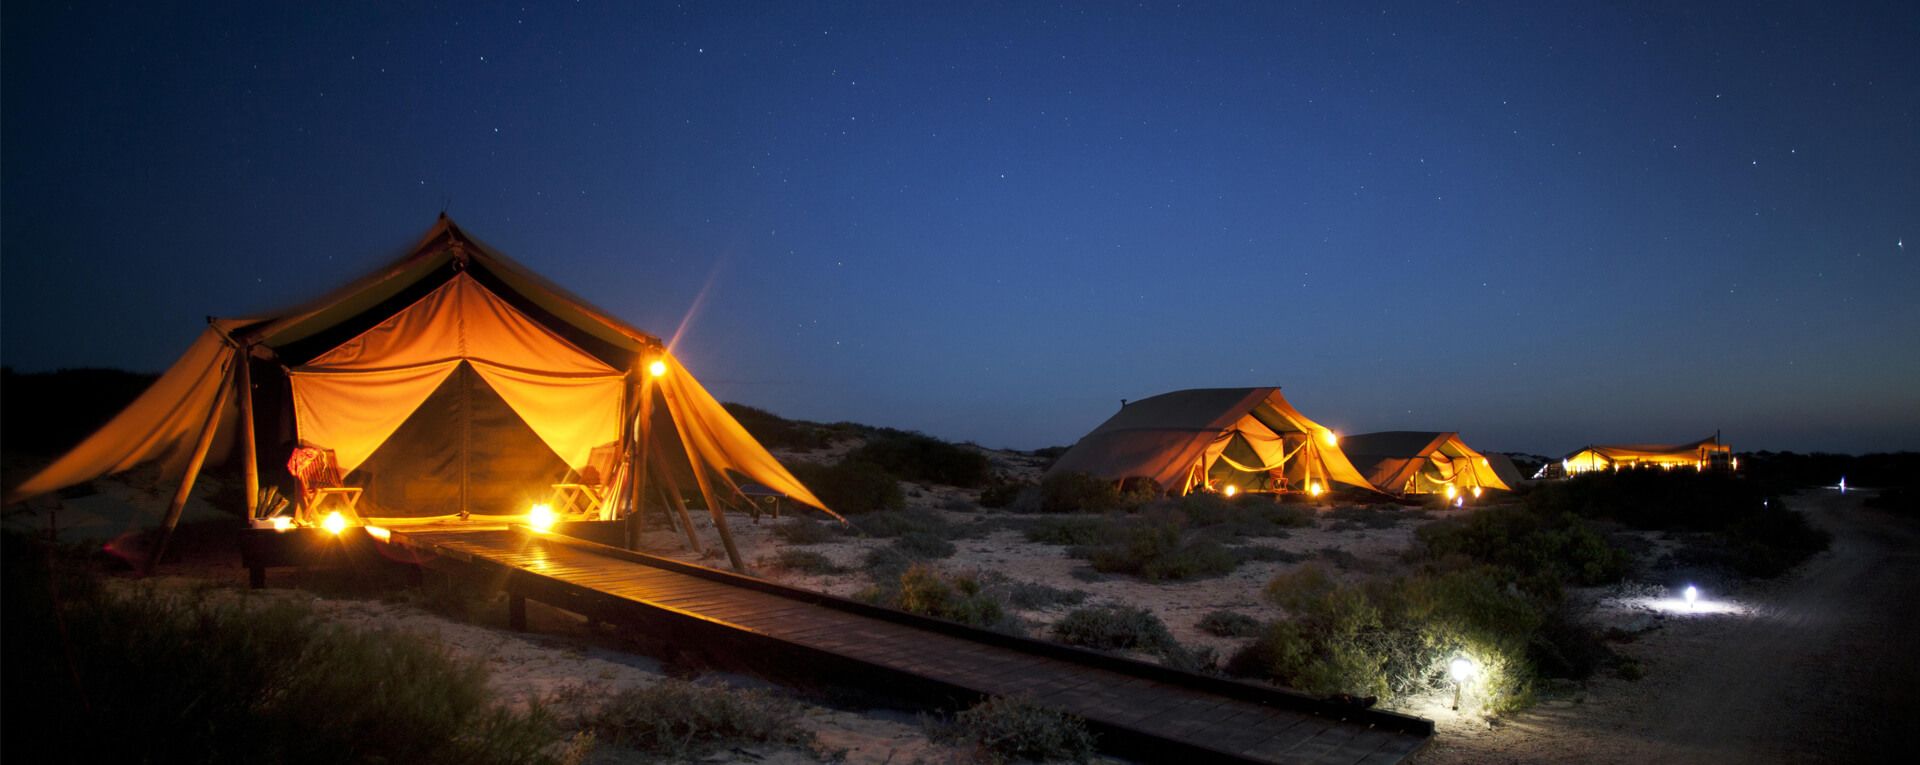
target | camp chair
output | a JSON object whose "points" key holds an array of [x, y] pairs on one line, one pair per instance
{"points": [[320, 489], [589, 495]]}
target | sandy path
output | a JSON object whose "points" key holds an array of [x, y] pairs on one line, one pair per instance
{"points": [[1820, 668]]}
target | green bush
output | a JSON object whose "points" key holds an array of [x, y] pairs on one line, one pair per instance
{"points": [[176, 677], [1229, 624], [1123, 628], [675, 719], [1248, 515], [1001, 495], [1009, 729], [924, 590], [920, 544], [1155, 548], [1540, 550], [1033, 595], [1771, 542], [1374, 517], [1071, 531], [806, 562], [806, 531], [917, 457], [894, 524], [1072, 492], [851, 487]]}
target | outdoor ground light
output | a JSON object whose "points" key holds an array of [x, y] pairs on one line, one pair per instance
{"points": [[541, 517], [334, 523], [1691, 594], [1452, 492], [1230, 490], [1462, 670], [282, 523], [1313, 487], [1476, 492]]}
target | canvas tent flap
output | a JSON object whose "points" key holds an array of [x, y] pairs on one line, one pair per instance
{"points": [[571, 414], [460, 320], [161, 423], [354, 413], [720, 442]]}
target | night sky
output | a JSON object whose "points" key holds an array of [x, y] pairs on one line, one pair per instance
{"points": [[1539, 226]]}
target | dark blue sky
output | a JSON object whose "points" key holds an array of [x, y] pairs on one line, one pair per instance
{"points": [[1540, 226]]}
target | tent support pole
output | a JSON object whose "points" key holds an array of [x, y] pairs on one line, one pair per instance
{"points": [[672, 504], [643, 438], [199, 458], [719, 520], [249, 449]]}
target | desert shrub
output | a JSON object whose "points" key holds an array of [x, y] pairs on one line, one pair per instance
{"points": [[1123, 628], [807, 531], [1541, 550], [851, 486], [895, 524], [1229, 624], [676, 719], [920, 544], [1393, 637], [885, 565], [1374, 516], [1073, 492], [1265, 553], [922, 589], [805, 561], [1769, 542], [150, 676], [1154, 547], [1653, 499], [917, 457], [1248, 515], [1002, 495], [1071, 531], [1031, 595], [1009, 729]]}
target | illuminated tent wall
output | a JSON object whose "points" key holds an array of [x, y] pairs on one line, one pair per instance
{"points": [[1504, 468], [1700, 455], [453, 382], [1248, 438], [1420, 462]]}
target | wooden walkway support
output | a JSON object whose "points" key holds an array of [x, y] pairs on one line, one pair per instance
{"points": [[1139, 709]]}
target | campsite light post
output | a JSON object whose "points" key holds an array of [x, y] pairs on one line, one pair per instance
{"points": [[1461, 670]]}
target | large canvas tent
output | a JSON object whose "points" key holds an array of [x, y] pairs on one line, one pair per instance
{"points": [[1700, 455], [1421, 462], [1250, 439], [451, 383]]}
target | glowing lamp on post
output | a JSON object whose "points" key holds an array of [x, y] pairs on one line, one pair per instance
{"points": [[334, 523], [1476, 492], [1452, 492], [1314, 488], [1691, 594], [1327, 437], [1230, 490], [657, 369], [1461, 669], [541, 517]]}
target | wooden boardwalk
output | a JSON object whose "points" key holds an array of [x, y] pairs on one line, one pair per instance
{"points": [[1139, 709]]}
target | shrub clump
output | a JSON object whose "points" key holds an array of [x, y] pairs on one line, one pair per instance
{"points": [[1248, 515], [1541, 550], [917, 457], [676, 719], [1124, 628], [963, 598], [806, 562], [777, 432], [1074, 492], [806, 531], [1155, 548], [852, 486], [1229, 624], [895, 524], [1032, 596], [922, 545], [1070, 531], [1011, 729], [1001, 495]]}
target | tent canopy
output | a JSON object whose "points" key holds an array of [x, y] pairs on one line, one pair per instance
{"points": [[1694, 454], [1246, 437], [1420, 462], [450, 381]]}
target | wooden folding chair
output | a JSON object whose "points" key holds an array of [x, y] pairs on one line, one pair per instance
{"points": [[321, 491], [589, 495]]}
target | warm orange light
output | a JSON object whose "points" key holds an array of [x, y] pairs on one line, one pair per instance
{"points": [[1452, 492], [1230, 490], [1329, 438], [1314, 488], [541, 517], [379, 533], [658, 368], [334, 523], [282, 523], [1476, 492]]}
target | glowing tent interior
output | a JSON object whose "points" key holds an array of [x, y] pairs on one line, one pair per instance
{"points": [[1224, 439], [451, 383], [1704, 454], [1420, 462]]}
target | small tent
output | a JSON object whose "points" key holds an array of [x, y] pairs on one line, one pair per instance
{"points": [[1420, 462], [1249, 439], [1706, 453], [451, 383]]}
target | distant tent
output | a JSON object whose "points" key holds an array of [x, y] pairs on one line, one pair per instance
{"points": [[1706, 453], [1503, 467], [453, 382], [1250, 439], [1420, 462]]}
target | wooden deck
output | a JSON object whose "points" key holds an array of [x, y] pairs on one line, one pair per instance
{"points": [[1139, 709]]}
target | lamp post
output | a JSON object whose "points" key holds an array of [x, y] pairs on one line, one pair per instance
{"points": [[1462, 670]]}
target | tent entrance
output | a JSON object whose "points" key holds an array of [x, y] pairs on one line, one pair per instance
{"points": [[463, 450]]}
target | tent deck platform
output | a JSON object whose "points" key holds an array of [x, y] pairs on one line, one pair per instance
{"points": [[1138, 709]]}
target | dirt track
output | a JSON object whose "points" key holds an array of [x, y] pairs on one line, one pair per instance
{"points": [[1822, 669]]}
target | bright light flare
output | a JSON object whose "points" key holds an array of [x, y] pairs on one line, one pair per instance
{"points": [[657, 369], [1452, 492], [1476, 492], [1692, 595], [1230, 490], [1314, 488], [282, 523], [334, 523], [541, 518], [1461, 669], [379, 533], [1329, 438]]}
